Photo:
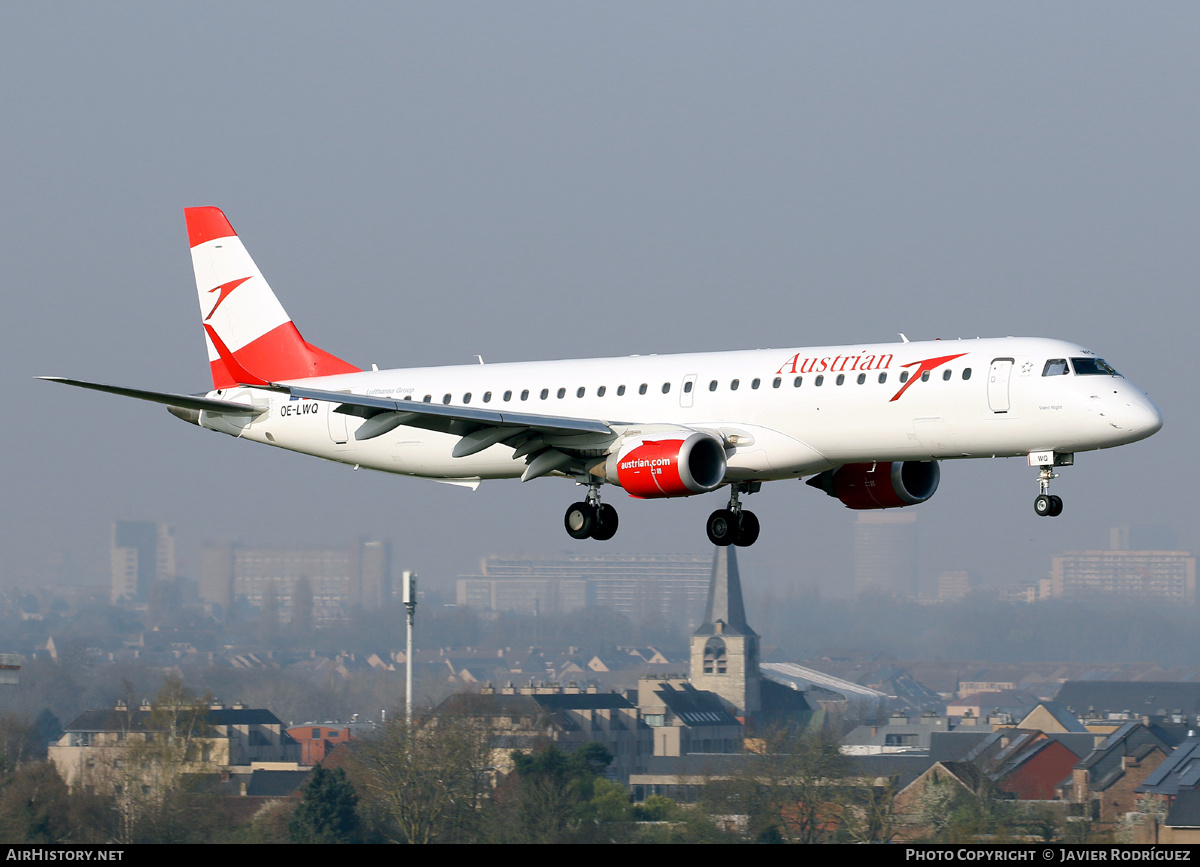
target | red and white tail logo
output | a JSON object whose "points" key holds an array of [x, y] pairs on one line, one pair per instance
{"points": [[250, 337]]}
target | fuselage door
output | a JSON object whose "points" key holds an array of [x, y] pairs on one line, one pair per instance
{"points": [[998, 378], [337, 424], [687, 390]]}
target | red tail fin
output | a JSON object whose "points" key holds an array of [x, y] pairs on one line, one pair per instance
{"points": [[249, 334]]}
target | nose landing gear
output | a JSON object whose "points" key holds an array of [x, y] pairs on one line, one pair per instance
{"points": [[734, 525], [1047, 505]]}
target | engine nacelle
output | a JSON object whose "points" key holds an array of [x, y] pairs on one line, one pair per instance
{"points": [[881, 485], [670, 464]]}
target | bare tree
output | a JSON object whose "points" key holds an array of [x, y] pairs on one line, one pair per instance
{"points": [[154, 768], [428, 779], [869, 815], [792, 789]]}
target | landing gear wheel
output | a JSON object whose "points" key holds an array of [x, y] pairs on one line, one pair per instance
{"points": [[1047, 505], [749, 532], [579, 520], [606, 523], [722, 528]]}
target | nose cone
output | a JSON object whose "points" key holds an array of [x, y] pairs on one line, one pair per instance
{"points": [[1128, 415], [1144, 418]]}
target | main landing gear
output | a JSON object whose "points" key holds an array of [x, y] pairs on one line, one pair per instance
{"points": [[591, 519], [734, 525], [1047, 505]]}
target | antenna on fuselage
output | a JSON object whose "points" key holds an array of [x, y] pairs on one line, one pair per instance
{"points": [[480, 357], [902, 337]]}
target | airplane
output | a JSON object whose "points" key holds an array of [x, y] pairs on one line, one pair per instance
{"points": [[866, 423]]}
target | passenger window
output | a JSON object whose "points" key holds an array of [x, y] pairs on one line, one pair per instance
{"points": [[775, 383], [601, 390], [966, 373], [562, 392], [841, 378], [545, 393], [525, 394], [796, 382], [687, 387], [507, 396], [620, 390], [946, 374], [427, 398], [819, 381], [487, 397], [712, 386], [666, 387], [862, 377], [755, 383], [467, 398], [904, 376], [642, 388], [733, 386], [925, 376], [1055, 367], [446, 399], [882, 378], [580, 391], [408, 397]]}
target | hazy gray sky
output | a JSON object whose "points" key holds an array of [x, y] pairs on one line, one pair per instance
{"points": [[421, 182]]}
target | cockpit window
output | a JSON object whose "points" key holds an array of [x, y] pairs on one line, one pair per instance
{"points": [[1055, 367], [1092, 367]]}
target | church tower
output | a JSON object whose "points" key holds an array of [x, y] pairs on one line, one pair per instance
{"points": [[724, 647]]}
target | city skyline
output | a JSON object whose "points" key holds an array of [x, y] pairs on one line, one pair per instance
{"points": [[925, 574]]}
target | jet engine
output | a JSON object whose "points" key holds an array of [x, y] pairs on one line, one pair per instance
{"points": [[881, 485], [670, 464]]}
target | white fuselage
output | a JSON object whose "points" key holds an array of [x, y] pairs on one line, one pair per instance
{"points": [[794, 412]]}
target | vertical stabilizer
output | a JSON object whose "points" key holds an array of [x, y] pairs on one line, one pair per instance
{"points": [[255, 336]]}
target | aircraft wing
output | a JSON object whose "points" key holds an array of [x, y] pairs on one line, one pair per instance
{"points": [[365, 406], [186, 401], [552, 442]]}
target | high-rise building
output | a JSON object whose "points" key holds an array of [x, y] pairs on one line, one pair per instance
{"points": [[1141, 562], [885, 553], [953, 586], [1168, 575], [633, 584], [142, 552], [314, 584]]}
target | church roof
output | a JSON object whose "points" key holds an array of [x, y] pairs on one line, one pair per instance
{"points": [[725, 598]]}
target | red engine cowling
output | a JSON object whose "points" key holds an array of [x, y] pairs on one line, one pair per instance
{"points": [[673, 464], [880, 485]]}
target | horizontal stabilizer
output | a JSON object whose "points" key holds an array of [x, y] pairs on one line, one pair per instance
{"points": [[186, 401]]}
